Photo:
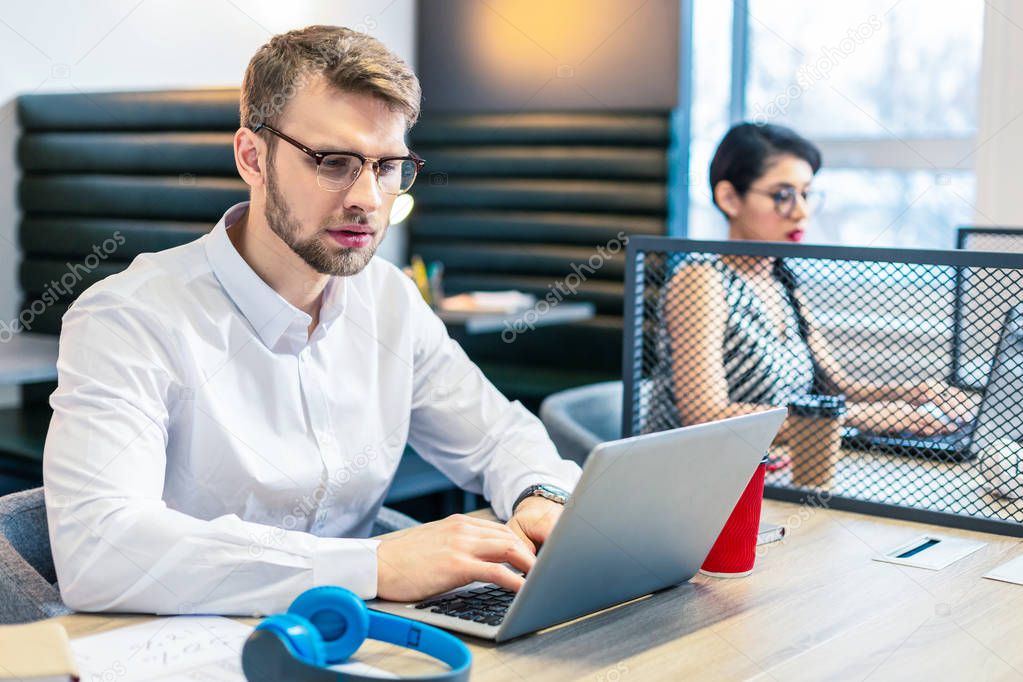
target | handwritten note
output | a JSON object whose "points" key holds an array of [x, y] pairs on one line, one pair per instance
{"points": [[189, 647], [198, 648]]}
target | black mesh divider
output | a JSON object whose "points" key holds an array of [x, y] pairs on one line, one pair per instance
{"points": [[861, 345]]}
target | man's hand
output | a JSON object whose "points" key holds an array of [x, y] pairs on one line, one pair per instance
{"points": [[420, 562], [534, 519]]}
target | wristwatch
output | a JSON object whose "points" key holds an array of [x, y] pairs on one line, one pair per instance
{"points": [[550, 492]]}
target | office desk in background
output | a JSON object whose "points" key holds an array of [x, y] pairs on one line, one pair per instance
{"points": [[915, 482], [27, 358], [816, 607], [483, 323]]}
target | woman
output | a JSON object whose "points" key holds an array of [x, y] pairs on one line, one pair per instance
{"points": [[735, 335]]}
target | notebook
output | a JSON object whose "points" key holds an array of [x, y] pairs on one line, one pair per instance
{"points": [[36, 652]]}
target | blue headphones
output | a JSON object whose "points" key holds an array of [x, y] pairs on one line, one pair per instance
{"points": [[326, 625]]}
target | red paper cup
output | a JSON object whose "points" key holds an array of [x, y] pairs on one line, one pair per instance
{"points": [[735, 550]]}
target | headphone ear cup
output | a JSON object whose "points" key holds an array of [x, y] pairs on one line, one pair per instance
{"points": [[299, 635], [339, 616]]}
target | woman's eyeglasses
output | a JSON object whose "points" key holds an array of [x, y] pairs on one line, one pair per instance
{"points": [[785, 199], [336, 171]]}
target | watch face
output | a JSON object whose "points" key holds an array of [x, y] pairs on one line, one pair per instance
{"points": [[555, 491]]}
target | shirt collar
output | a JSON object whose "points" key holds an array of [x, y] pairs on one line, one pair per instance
{"points": [[267, 311]]}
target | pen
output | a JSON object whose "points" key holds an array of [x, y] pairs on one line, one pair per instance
{"points": [[422, 281], [435, 276]]}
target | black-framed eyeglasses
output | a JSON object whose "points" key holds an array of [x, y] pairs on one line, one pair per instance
{"points": [[336, 171], [785, 199]]}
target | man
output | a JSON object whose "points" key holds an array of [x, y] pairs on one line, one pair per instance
{"points": [[230, 412]]}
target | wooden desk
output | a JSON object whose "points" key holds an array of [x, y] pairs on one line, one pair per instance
{"points": [[816, 607]]}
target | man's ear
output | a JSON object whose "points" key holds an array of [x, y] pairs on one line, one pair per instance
{"points": [[727, 198], [250, 157]]}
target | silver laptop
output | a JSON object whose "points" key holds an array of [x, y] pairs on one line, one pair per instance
{"points": [[997, 417], [643, 517]]}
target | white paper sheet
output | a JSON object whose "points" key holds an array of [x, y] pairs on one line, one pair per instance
{"points": [[198, 648], [1009, 572]]}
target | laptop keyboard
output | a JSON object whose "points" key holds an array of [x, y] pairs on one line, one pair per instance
{"points": [[954, 446], [485, 605]]}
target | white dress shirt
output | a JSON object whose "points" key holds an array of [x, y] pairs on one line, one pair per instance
{"points": [[208, 455]]}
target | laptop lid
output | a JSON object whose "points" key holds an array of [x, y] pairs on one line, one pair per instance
{"points": [[999, 416], [643, 517]]}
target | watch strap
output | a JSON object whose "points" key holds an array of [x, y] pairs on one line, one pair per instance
{"points": [[530, 492]]}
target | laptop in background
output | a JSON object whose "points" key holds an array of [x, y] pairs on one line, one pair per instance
{"points": [[1001, 411], [997, 417]]}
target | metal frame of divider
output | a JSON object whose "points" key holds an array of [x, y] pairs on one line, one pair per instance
{"points": [[963, 235], [948, 502]]}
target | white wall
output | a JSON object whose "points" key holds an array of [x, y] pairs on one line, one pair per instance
{"points": [[68, 46], [999, 157]]}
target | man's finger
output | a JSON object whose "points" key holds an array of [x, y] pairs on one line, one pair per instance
{"points": [[502, 576], [511, 528], [543, 526], [499, 531], [518, 531], [506, 551]]}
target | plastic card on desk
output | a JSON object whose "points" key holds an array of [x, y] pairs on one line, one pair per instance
{"points": [[930, 551]]}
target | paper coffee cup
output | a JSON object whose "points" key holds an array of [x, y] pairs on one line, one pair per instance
{"points": [[735, 550]]}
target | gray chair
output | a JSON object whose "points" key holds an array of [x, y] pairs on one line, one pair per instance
{"points": [[580, 418], [28, 582]]}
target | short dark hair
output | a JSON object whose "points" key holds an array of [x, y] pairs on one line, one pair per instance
{"points": [[350, 61], [746, 151]]}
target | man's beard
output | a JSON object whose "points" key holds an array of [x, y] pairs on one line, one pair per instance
{"points": [[343, 262]]}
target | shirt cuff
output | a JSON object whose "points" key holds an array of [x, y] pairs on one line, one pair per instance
{"points": [[348, 562]]}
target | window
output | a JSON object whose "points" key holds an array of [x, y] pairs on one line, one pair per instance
{"points": [[709, 109], [888, 89]]}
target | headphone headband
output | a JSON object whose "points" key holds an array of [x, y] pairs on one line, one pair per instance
{"points": [[325, 625]]}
